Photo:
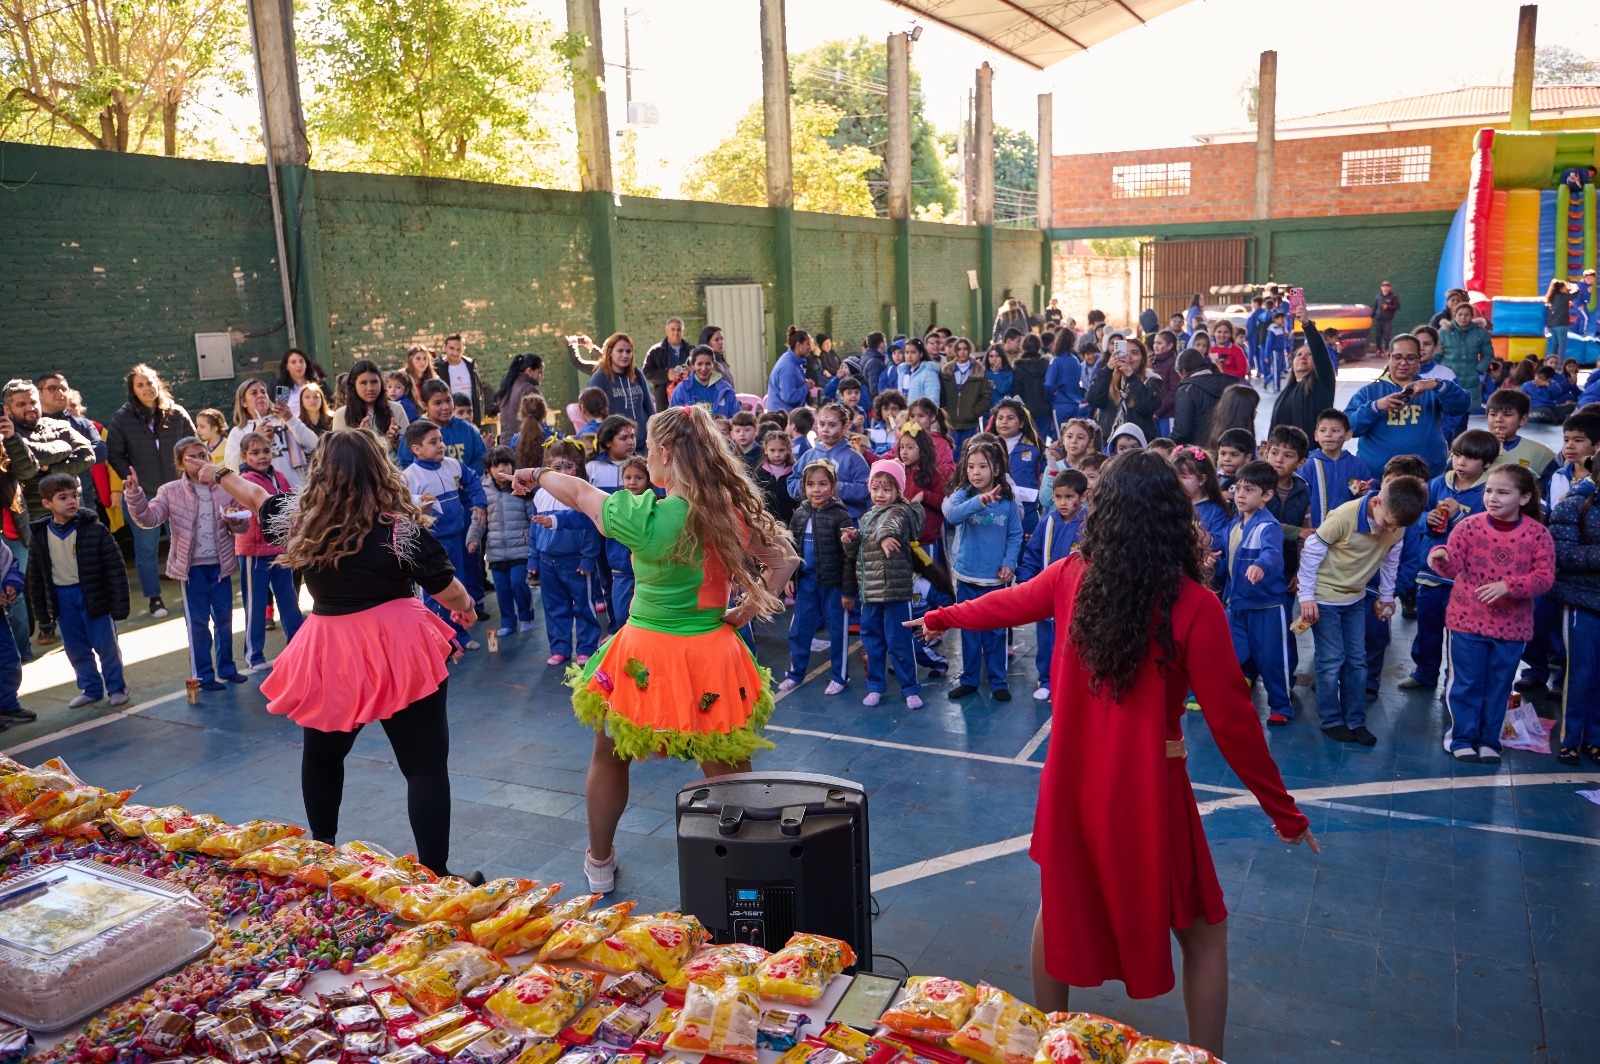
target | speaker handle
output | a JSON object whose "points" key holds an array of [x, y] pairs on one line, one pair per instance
{"points": [[729, 820], [791, 819]]}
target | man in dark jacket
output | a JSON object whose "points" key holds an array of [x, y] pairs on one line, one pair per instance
{"points": [[53, 388], [873, 350], [39, 446], [461, 373], [1384, 308], [1199, 388], [667, 363]]}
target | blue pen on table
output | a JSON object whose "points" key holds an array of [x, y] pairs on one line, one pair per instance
{"points": [[18, 893]]}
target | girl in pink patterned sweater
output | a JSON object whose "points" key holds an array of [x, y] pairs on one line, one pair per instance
{"points": [[1500, 560]]}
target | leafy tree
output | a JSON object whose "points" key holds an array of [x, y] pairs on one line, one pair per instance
{"points": [[629, 181], [1556, 64], [826, 179], [113, 73], [852, 76], [436, 88], [1016, 174]]}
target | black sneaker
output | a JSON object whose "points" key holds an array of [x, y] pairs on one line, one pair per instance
{"points": [[1002, 695], [157, 607], [1527, 686], [18, 716], [1340, 733], [962, 690], [1363, 736]]}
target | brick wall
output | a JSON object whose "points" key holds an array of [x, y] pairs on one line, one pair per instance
{"points": [[1085, 282]]}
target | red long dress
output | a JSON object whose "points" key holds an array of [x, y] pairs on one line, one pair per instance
{"points": [[1117, 836]]}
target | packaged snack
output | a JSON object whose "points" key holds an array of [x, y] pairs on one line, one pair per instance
{"points": [[713, 963], [664, 941], [481, 902], [393, 1007], [719, 1019], [1083, 1038], [798, 972], [542, 1000], [292, 1024], [581, 1031], [635, 988], [933, 1008], [357, 1018], [84, 808], [346, 996], [234, 842], [364, 1045], [802, 1052], [622, 1026], [248, 1047], [20, 788], [439, 981], [276, 1007], [540, 1051], [408, 948], [513, 914], [612, 955], [452, 1042], [534, 932], [311, 1045], [857, 1045], [286, 981], [329, 867], [207, 1025], [408, 1054], [243, 1004], [373, 880], [165, 1033], [417, 901], [131, 819], [284, 857], [916, 1051], [181, 833], [485, 990], [16, 1041], [780, 1029], [577, 935], [653, 1039], [496, 1047], [1001, 1029], [433, 1026], [1161, 1051], [587, 1055]]}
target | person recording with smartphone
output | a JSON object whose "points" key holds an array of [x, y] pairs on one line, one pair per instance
{"points": [[1402, 413], [292, 440], [1125, 390]]}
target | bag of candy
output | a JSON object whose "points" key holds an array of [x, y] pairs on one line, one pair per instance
{"points": [[282, 858], [19, 789], [517, 912], [542, 1000], [377, 878], [577, 935], [1083, 1038], [74, 821], [933, 1008], [182, 833], [662, 942], [1001, 1029], [532, 933], [798, 972], [714, 962], [235, 842], [406, 949], [418, 902], [1161, 1051], [483, 901], [348, 859], [719, 1019], [444, 975], [131, 819]]}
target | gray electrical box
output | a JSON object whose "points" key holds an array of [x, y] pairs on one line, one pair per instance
{"points": [[214, 352]]}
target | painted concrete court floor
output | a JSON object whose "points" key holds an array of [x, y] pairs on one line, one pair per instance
{"points": [[1453, 915]]}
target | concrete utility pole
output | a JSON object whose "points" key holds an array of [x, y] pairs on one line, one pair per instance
{"points": [[897, 168], [775, 104], [283, 119], [589, 99], [1266, 131], [983, 197], [1522, 75], [1044, 209]]}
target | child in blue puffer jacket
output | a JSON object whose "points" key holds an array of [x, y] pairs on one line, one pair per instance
{"points": [[1575, 527], [988, 543], [569, 550]]}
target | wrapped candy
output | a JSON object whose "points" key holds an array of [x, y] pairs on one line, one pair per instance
{"points": [[165, 1033], [653, 1039], [933, 1008], [1001, 1029], [439, 981], [496, 1047], [664, 941], [394, 1008], [581, 1031], [433, 1026], [407, 949], [622, 1026], [719, 1019], [283, 857], [286, 981], [292, 1024], [235, 842], [712, 964], [357, 1018], [312, 1045], [483, 901], [345, 997], [1161, 1051], [540, 1051], [450, 1043], [407, 1054], [524, 936], [1083, 1038], [364, 1045], [780, 1029], [798, 972], [635, 988], [577, 935], [542, 1000]]}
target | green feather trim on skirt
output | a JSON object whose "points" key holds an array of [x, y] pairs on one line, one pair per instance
{"points": [[635, 742]]}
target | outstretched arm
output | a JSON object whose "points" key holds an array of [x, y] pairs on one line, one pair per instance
{"points": [[567, 490]]}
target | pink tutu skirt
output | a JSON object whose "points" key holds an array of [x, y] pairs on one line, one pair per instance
{"points": [[338, 673]]}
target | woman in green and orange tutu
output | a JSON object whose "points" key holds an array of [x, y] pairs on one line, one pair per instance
{"points": [[676, 679]]}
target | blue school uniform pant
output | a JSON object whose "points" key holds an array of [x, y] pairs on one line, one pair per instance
{"points": [[813, 606], [21, 635], [146, 545], [564, 592], [1044, 635], [10, 672], [1340, 635], [1580, 699], [455, 548], [1261, 643], [263, 582], [1544, 654], [986, 648], [887, 640], [1480, 673], [512, 594], [1377, 647], [1427, 646], [208, 611], [86, 639], [621, 597], [958, 439]]}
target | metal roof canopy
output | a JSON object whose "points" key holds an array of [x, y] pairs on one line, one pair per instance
{"points": [[1038, 33]]}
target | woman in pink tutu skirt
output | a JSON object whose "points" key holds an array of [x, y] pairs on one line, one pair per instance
{"points": [[370, 650]]}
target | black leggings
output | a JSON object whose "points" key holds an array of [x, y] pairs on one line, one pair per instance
{"points": [[420, 737]]}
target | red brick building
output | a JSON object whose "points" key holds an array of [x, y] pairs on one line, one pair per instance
{"points": [[1399, 156]]}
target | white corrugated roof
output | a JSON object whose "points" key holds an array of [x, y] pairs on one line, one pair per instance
{"points": [[1039, 32], [1476, 104]]}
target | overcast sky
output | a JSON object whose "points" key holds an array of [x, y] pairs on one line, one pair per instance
{"points": [[700, 63]]}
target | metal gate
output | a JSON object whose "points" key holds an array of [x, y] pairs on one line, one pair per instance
{"points": [[739, 310], [1172, 271]]}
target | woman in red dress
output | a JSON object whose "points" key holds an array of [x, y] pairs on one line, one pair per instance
{"points": [[1122, 856]]}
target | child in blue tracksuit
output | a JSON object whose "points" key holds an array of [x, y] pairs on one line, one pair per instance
{"points": [[988, 545], [1063, 383], [635, 478], [834, 446], [11, 586], [817, 527], [453, 494], [1452, 498], [1411, 558], [569, 546], [1330, 470], [1053, 540], [1255, 591], [1025, 457], [462, 442], [1575, 527], [1275, 352]]}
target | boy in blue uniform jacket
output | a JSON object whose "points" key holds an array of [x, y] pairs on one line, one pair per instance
{"points": [[1400, 413], [448, 489], [1063, 383], [462, 441], [1377, 630], [1275, 352], [1452, 498], [1053, 540], [1548, 397], [1256, 593], [568, 545], [1330, 468]]}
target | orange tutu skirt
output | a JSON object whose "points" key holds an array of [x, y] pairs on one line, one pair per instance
{"points": [[338, 673], [696, 697]]}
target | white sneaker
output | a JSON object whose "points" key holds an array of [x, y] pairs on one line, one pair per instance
{"points": [[788, 684], [1488, 755], [872, 699], [81, 700], [1041, 693], [502, 632], [833, 688], [913, 701], [819, 645], [602, 875], [524, 626], [471, 644], [119, 698]]}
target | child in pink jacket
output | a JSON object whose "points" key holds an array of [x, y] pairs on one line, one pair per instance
{"points": [[1500, 560]]}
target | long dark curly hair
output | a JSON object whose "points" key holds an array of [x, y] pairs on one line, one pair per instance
{"points": [[1139, 541]]}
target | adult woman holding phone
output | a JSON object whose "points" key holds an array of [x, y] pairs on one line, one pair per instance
{"points": [[1125, 391], [292, 440], [1311, 380]]}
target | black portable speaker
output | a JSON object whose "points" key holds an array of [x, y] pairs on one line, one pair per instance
{"points": [[762, 855]]}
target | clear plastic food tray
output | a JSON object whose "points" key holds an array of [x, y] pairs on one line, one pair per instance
{"points": [[77, 936]]}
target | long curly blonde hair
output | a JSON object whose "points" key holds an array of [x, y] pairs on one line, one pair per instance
{"points": [[716, 484], [351, 486]]}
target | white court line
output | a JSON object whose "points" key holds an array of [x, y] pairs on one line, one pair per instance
{"points": [[908, 747], [1450, 822], [97, 722], [1037, 741]]}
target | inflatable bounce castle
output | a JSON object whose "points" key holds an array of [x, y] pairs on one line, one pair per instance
{"points": [[1520, 227]]}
